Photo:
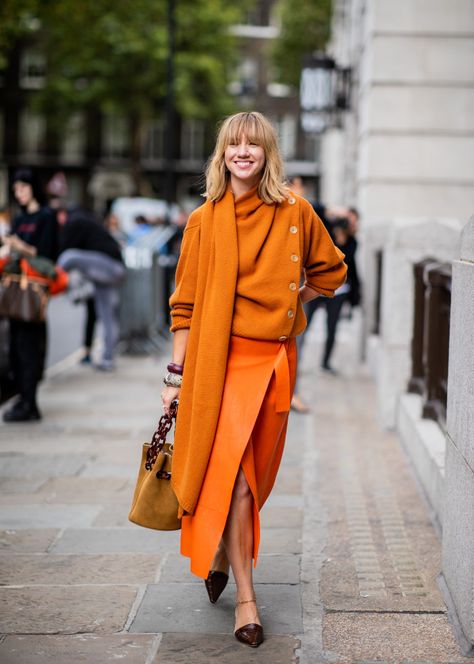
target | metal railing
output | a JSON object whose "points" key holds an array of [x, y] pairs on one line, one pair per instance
{"points": [[430, 342], [378, 291]]}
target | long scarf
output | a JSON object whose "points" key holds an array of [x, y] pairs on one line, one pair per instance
{"points": [[206, 353]]}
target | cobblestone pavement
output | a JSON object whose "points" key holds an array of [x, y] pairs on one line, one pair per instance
{"points": [[348, 561]]}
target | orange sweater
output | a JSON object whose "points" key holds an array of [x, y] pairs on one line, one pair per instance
{"points": [[234, 279], [275, 242]]}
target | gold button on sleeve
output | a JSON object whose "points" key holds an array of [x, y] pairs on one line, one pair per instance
{"points": [[291, 313], [293, 286], [294, 258], [293, 229]]}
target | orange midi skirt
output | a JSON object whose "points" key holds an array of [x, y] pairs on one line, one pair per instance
{"points": [[251, 430]]}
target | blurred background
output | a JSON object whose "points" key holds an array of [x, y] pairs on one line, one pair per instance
{"points": [[123, 98]]}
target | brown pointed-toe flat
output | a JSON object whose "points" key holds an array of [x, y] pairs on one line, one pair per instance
{"points": [[215, 584], [251, 635]]}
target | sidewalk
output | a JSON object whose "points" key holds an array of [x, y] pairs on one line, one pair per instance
{"points": [[348, 563]]}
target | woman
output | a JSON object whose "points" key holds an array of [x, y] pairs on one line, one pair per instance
{"points": [[33, 233], [235, 312]]}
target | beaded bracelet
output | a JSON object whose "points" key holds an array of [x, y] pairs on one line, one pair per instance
{"points": [[172, 380], [175, 368]]}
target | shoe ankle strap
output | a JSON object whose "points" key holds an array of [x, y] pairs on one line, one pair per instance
{"points": [[246, 601]]}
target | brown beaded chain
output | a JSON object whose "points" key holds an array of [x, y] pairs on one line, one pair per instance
{"points": [[159, 437]]}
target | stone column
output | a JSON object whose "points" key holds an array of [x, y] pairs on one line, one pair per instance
{"points": [[458, 528]]}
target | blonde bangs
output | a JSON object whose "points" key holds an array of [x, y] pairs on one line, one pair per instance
{"points": [[243, 124], [258, 130]]}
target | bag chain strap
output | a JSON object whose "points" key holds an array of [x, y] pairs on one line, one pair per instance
{"points": [[159, 437]]}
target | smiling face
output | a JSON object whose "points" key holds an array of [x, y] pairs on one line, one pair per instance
{"points": [[245, 161]]}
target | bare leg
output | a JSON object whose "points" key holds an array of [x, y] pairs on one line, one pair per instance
{"points": [[220, 562], [238, 542]]}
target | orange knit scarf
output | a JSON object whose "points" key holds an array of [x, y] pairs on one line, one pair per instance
{"points": [[207, 349]]}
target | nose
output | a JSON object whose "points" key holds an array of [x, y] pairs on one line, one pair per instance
{"points": [[243, 148]]}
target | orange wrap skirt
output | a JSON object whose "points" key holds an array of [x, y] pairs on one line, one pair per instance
{"points": [[251, 430]]}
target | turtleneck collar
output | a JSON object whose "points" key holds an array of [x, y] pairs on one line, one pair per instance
{"points": [[247, 204]]}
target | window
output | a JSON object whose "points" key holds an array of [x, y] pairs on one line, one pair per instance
{"points": [[246, 78], [192, 139], [154, 143], [312, 147], [32, 132], [73, 143], [32, 69], [258, 15], [115, 137], [287, 130]]}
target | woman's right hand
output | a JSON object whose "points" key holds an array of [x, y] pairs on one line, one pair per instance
{"points": [[168, 395]]}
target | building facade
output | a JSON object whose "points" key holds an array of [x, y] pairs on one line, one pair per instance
{"points": [[405, 157], [94, 151]]}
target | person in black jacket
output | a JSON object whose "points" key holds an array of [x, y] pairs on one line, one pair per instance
{"points": [[34, 232], [88, 247]]}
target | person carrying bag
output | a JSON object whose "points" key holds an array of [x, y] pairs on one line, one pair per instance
{"points": [[34, 236]]}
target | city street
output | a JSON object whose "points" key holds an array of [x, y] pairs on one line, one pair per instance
{"points": [[349, 556]]}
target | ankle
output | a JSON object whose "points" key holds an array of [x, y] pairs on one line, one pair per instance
{"points": [[253, 600]]}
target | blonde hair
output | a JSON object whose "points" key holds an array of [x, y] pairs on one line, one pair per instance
{"points": [[258, 130]]}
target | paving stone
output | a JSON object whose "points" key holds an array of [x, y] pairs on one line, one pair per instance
{"points": [[378, 472], [77, 649], [120, 568], [224, 649], [40, 465], [289, 480], [99, 469], [284, 500], [281, 517], [281, 540], [270, 569], [70, 490], [115, 516], [47, 516], [18, 486], [65, 609], [181, 607], [392, 637], [44, 442], [37, 540], [22, 499], [117, 540]]}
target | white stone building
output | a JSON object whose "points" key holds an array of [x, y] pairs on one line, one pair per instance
{"points": [[405, 158]]}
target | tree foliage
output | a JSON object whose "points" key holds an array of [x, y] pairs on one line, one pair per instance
{"points": [[113, 54], [304, 29], [17, 19]]}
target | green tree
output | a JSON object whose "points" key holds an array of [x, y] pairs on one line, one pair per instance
{"points": [[112, 56], [305, 28], [17, 19]]}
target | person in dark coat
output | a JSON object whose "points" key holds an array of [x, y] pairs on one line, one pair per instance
{"points": [[88, 247], [34, 232]]}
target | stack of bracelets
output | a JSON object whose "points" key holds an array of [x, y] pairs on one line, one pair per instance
{"points": [[174, 377]]}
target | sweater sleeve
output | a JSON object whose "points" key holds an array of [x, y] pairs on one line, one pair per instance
{"points": [[182, 300], [324, 265]]}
